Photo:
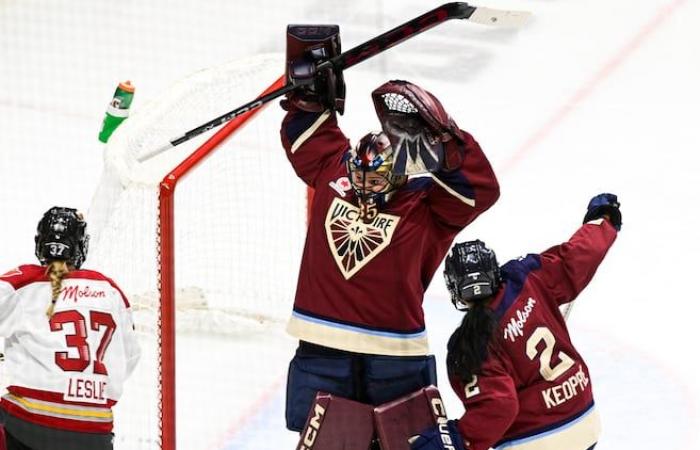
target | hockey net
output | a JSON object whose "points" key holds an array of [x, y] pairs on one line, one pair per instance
{"points": [[239, 220]]}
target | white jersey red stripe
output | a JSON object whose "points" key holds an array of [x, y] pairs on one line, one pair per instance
{"points": [[67, 371]]}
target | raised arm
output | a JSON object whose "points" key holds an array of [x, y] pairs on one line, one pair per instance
{"points": [[427, 139], [462, 194], [569, 267], [312, 141], [310, 133]]}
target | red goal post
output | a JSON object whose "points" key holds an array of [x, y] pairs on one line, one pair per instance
{"points": [[205, 241], [166, 223]]}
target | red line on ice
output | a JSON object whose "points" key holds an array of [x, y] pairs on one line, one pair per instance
{"points": [[588, 87], [248, 414]]}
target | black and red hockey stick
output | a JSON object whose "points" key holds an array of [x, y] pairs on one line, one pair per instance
{"points": [[448, 11]]}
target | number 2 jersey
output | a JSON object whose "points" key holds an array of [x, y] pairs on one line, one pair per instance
{"points": [[361, 284], [534, 391], [67, 371]]}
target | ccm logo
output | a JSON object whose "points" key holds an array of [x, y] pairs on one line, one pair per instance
{"points": [[311, 432]]}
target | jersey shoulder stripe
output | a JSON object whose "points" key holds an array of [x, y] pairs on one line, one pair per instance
{"points": [[24, 275], [514, 274]]}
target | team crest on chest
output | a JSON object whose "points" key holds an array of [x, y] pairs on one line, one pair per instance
{"points": [[353, 242]]}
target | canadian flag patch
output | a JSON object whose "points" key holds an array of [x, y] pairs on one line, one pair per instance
{"points": [[341, 185]]}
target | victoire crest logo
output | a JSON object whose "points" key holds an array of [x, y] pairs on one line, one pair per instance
{"points": [[353, 242]]}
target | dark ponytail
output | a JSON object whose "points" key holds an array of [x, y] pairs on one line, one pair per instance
{"points": [[467, 348]]}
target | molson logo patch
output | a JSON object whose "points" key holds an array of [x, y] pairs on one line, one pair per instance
{"points": [[353, 242], [78, 292]]}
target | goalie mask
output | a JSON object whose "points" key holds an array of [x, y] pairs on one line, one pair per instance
{"points": [[370, 165], [61, 235], [471, 273]]}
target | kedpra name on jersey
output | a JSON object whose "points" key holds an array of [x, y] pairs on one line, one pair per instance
{"points": [[568, 389]]}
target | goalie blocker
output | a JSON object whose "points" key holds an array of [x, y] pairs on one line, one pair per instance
{"points": [[336, 423], [307, 47]]}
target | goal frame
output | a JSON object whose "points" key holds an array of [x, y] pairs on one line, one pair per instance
{"points": [[166, 267]]}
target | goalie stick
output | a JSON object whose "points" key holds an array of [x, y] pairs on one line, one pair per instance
{"points": [[362, 52]]}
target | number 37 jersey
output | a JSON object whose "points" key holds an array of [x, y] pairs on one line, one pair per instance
{"points": [[68, 370]]}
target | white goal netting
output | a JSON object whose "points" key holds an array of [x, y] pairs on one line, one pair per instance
{"points": [[240, 219]]}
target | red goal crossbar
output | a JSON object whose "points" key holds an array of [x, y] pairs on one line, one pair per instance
{"points": [[166, 266]]}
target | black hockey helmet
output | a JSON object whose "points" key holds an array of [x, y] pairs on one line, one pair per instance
{"points": [[60, 235], [471, 273]]}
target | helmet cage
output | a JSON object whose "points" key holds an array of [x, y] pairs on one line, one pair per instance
{"points": [[61, 236], [373, 154], [471, 273]]}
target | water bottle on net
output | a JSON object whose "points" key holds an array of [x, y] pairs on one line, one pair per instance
{"points": [[117, 110]]}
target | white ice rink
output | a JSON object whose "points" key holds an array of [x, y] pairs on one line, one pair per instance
{"points": [[590, 96]]}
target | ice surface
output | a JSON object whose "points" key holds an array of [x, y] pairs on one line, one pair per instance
{"points": [[590, 96]]}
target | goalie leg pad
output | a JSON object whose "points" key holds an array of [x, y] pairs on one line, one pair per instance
{"points": [[390, 377], [309, 374], [336, 423], [400, 420]]}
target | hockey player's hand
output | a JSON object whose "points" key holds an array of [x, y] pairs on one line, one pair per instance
{"points": [[439, 438], [604, 205], [319, 89]]}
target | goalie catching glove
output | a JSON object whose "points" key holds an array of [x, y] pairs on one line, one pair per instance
{"points": [[424, 136], [307, 47]]}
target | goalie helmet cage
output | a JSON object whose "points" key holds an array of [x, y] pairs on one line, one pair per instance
{"points": [[197, 261]]}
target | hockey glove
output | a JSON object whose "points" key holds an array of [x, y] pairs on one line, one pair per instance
{"points": [[442, 437], [424, 136], [307, 47], [604, 205]]}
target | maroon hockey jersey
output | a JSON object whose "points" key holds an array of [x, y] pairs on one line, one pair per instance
{"points": [[361, 285], [534, 391]]}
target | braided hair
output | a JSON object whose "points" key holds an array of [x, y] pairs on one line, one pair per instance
{"points": [[467, 348], [55, 270]]}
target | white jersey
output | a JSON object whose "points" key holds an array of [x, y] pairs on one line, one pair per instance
{"points": [[67, 371]]}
